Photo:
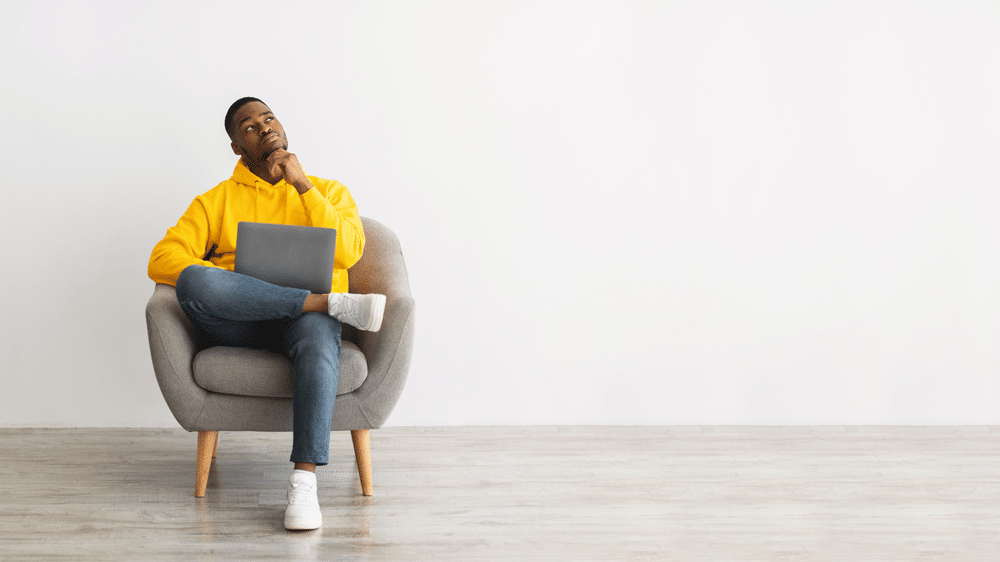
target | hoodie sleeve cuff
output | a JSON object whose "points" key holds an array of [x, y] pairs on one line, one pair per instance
{"points": [[312, 199]]}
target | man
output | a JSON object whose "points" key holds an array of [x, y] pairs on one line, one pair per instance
{"points": [[198, 254]]}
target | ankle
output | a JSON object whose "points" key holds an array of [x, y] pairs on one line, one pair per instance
{"points": [[316, 303]]}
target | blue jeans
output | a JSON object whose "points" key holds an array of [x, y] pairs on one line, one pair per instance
{"points": [[239, 311]]}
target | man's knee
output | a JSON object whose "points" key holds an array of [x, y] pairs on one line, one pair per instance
{"points": [[201, 283], [318, 331], [190, 278]]}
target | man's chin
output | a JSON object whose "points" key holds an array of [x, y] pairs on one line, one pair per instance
{"points": [[283, 147]]}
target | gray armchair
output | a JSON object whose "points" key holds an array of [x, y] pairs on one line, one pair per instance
{"points": [[212, 389]]}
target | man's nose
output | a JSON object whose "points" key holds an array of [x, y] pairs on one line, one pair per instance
{"points": [[265, 128]]}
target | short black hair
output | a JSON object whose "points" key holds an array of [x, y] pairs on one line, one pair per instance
{"points": [[234, 108]]}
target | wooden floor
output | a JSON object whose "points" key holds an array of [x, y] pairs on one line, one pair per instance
{"points": [[513, 493]]}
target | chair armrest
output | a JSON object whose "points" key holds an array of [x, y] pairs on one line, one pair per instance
{"points": [[173, 343], [388, 352]]}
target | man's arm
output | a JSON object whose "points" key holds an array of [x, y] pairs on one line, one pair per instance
{"points": [[184, 245], [333, 208], [337, 210]]}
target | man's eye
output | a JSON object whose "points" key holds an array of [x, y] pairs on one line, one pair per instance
{"points": [[269, 119], [250, 127]]}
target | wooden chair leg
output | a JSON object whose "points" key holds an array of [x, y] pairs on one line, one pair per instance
{"points": [[206, 447], [363, 454], [215, 448]]}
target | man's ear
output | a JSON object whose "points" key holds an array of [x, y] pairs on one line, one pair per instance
{"points": [[236, 148]]}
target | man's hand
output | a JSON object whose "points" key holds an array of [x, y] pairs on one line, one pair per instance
{"points": [[284, 164]]}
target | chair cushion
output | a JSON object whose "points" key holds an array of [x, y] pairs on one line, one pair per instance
{"points": [[246, 371]]}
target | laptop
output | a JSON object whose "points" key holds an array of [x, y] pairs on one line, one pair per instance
{"points": [[286, 255]]}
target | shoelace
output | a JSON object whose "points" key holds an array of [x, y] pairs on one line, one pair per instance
{"points": [[300, 492]]}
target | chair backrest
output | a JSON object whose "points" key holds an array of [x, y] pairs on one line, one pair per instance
{"points": [[381, 268]]}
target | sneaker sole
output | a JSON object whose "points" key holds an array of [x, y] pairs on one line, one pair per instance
{"points": [[302, 523], [377, 311]]}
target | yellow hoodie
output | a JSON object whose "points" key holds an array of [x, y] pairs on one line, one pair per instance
{"points": [[210, 222]]}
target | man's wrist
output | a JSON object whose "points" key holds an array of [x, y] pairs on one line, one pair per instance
{"points": [[302, 185]]}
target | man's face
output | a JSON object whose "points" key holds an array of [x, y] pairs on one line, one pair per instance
{"points": [[256, 132]]}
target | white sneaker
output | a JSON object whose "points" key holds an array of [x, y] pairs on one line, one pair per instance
{"points": [[364, 312], [302, 513]]}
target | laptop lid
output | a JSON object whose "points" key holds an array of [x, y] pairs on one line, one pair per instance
{"points": [[287, 255]]}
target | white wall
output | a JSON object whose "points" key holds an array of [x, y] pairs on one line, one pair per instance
{"points": [[612, 212]]}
